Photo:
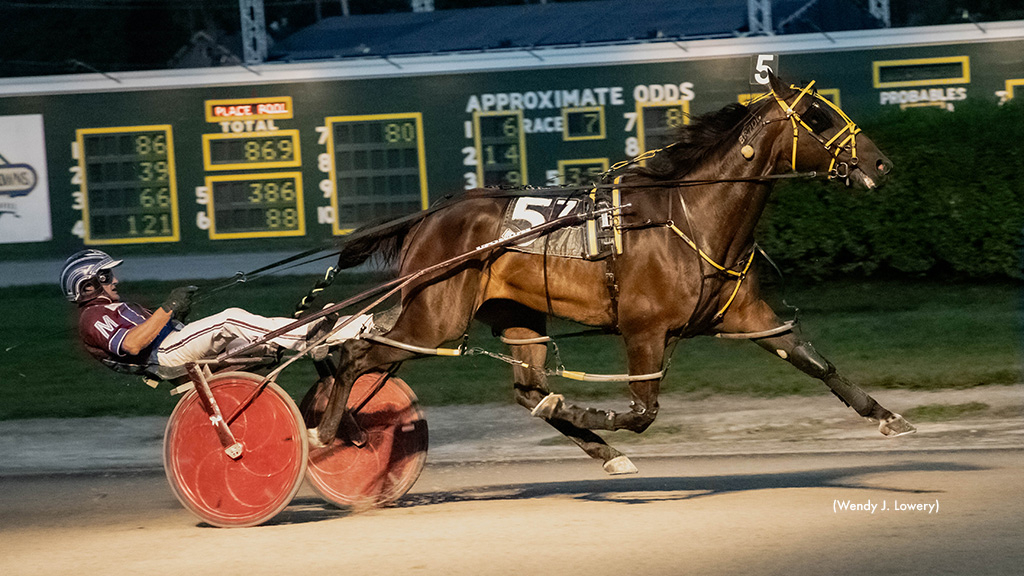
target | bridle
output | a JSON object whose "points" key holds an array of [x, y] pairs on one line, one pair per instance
{"points": [[834, 145], [814, 124]]}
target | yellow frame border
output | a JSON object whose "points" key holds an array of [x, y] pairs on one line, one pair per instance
{"points": [[300, 206], [685, 104], [562, 164], [209, 104], [80, 135], [478, 144], [1010, 84], [964, 78], [566, 137], [209, 166], [329, 122]]}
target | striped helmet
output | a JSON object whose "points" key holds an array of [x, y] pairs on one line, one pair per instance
{"points": [[82, 267]]}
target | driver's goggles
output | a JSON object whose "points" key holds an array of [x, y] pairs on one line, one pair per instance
{"points": [[105, 276]]}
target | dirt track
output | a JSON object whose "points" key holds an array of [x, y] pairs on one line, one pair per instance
{"points": [[746, 492], [699, 515]]}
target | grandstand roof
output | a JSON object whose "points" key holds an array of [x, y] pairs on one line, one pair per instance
{"points": [[534, 25]]}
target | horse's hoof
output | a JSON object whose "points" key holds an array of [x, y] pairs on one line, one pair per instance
{"points": [[620, 465], [313, 437], [547, 407], [895, 425]]}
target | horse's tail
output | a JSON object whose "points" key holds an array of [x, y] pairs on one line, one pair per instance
{"points": [[382, 239]]}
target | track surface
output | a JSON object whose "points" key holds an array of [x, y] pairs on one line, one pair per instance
{"points": [[773, 514]]}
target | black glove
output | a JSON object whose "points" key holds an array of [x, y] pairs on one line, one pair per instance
{"points": [[179, 302]]}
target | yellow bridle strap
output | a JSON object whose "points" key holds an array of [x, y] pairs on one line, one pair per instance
{"points": [[851, 130], [794, 118]]}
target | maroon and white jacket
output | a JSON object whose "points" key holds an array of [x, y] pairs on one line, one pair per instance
{"points": [[103, 325]]}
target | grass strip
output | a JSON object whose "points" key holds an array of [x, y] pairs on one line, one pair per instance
{"points": [[907, 335]]}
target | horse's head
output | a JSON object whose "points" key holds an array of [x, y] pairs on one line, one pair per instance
{"points": [[824, 139]]}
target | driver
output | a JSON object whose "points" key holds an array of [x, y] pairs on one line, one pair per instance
{"points": [[128, 334]]}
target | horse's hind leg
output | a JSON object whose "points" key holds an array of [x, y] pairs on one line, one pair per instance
{"points": [[646, 352], [356, 357], [531, 387], [805, 358]]}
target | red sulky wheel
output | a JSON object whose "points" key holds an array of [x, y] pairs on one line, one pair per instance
{"points": [[385, 467], [256, 487]]}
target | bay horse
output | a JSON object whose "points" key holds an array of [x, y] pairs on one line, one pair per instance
{"points": [[686, 268]]}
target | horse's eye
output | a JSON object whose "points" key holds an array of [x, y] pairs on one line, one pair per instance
{"points": [[816, 118]]}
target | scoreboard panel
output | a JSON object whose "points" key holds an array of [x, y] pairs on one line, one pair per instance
{"points": [[377, 167], [500, 148], [128, 186], [265, 205], [251, 150], [657, 122], [581, 172], [304, 152], [1011, 84], [586, 123], [915, 72]]}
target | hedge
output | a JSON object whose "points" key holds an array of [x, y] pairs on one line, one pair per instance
{"points": [[953, 207]]}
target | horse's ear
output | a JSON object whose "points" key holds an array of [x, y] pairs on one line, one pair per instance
{"points": [[777, 86]]}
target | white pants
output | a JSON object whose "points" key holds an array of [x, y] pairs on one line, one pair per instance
{"points": [[234, 328]]}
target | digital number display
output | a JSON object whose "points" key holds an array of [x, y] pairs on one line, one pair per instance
{"points": [[378, 167], [500, 148], [921, 72], [583, 123], [251, 150], [256, 205], [581, 172], [657, 123], [129, 190]]}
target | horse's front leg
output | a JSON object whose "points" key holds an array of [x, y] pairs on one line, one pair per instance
{"points": [[804, 357]]}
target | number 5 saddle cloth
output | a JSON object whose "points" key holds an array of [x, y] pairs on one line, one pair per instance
{"points": [[594, 239]]}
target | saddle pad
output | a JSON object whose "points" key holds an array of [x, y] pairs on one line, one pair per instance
{"points": [[568, 242]]}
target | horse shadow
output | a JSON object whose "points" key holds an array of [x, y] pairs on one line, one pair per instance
{"points": [[636, 489]]}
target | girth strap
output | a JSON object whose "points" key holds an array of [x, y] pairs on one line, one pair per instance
{"points": [[740, 276]]}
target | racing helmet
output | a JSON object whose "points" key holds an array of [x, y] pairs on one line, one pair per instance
{"points": [[81, 267]]}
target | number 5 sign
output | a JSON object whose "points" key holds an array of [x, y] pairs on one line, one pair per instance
{"points": [[760, 66]]}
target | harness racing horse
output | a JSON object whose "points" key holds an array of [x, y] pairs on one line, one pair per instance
{"points": [[685, 270]]}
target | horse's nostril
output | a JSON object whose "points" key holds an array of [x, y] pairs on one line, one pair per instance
{"points": [[883, 167]]}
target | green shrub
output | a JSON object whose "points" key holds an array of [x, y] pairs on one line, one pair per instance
{"points": [[953, 206]]}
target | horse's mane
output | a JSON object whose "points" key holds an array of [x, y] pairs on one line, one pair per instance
{"points": [[693, 142]]}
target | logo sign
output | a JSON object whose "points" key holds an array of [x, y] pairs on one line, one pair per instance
{"points": [[16, 179], [760, 66], [24, 190]]}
